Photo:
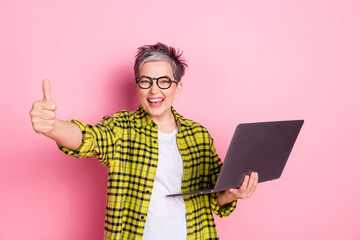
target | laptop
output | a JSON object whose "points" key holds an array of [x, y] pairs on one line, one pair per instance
{"points": [[262, 147]]}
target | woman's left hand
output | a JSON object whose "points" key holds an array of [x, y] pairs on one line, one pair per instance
{"points": [[246, 190]]}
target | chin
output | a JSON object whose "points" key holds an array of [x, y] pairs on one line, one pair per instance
{"points": [[157, 112]]}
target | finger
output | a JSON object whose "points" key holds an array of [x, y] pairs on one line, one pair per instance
{"points": [[233, 191], [48, 105], [238, 194], [43, 105], [42, 115], [46, 90], [244, 185], [229, 195], [47, 115], [255, 184], [43, 122], [246, 190], [250, 185], [43, 126]]}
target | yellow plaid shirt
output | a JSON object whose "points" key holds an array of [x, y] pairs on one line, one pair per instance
{"points": [[127, 144]]}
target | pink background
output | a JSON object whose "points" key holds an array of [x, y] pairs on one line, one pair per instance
{"points": [[249, 61]]}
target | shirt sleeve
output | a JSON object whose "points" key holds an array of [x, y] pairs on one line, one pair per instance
{"points": [[226, 209], [97, 141]]}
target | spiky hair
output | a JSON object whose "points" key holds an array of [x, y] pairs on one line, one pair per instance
{"points": [[161, 52]]}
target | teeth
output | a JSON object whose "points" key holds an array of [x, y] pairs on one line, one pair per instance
{"points": [[155, 100]]}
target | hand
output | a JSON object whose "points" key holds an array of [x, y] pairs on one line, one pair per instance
{"points": [[42, 113], [246, 190]]}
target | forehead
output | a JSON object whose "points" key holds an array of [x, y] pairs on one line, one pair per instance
{"points": [[156, 69]]}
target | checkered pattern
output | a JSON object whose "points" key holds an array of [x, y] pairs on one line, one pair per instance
{"points": [[127, 143]]}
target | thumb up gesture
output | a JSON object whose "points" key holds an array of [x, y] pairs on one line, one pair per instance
{"points": [[42, 113]]}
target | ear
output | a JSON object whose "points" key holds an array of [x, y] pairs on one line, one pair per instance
{"points": [[178, 89]]}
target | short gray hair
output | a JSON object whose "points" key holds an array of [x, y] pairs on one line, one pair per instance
{"points": [[161, 52]]}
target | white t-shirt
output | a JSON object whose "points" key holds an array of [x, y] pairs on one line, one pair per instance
{"points": [[166, 216]]}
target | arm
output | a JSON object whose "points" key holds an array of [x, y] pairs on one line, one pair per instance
{"points": [[220, 208], [67, 134], [43, 119]]}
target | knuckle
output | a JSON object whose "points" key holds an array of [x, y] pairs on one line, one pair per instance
{"points": [[33, 114], [44, 131], [36, 104], [34, 121], [36, 129], [51, 105], [46, 115], [47, 130]]}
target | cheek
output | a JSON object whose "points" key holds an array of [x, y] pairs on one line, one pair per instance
{"points": [[140, 94], [173, 96]]}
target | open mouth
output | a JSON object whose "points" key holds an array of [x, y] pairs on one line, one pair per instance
{"points": [[155, 101]]}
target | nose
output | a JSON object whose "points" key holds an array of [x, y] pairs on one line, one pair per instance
{"points": [[154, 87]]}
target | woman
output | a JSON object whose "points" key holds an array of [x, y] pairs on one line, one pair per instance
{"points": [[151, 152]]}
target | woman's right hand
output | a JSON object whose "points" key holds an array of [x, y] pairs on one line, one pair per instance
{"points": [[42, 113], [43, 119]]}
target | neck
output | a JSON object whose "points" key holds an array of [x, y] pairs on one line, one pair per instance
{"points": [[166, 124]]}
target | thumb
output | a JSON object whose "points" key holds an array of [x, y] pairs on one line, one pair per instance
{"points": [[46, 90]]}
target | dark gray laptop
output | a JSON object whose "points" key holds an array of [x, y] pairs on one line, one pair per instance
{"points": [[262, 147]]}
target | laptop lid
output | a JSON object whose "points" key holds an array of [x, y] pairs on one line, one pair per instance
{"points": [[262, 147]]}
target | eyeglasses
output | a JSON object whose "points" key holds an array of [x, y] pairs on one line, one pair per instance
{"points": [[146, 82]]}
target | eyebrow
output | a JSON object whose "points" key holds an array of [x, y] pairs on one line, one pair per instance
{"points": [[157, 77]]}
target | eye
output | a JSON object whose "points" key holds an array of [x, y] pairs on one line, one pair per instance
{"points": [[144, 80], [164, 80]]}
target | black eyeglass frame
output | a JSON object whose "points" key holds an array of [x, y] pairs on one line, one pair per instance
{"points": [[157, 81]]}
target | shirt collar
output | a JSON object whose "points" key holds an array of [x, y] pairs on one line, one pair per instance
{"points": [[180, 120]]}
